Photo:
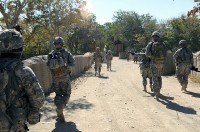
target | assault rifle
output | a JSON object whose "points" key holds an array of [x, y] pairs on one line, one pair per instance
{"points": [[193, 68]]}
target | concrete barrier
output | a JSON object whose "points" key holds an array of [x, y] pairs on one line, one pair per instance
{"points": [[38, 65], [169, 65], [196, 58]]}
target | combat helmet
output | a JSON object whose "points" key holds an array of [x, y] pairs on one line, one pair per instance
{"points": [[155, 33], [183, 43], [10, 41], [58, 40]]}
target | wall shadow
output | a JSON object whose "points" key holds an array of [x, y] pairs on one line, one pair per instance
{"points": [[65, 127]]}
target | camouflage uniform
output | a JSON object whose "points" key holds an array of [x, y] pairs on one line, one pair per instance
{"points": [[184, 61], [21, 95], [98, 59], [109, 58], [156, 51], [60, 61], [145, 71]]}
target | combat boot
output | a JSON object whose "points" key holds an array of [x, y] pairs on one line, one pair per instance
{"points": [[183, 88], [60, 115], [145, 88], [157, 95]]}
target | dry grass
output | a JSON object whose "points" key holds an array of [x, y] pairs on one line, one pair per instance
{"points": [[195, 78]]}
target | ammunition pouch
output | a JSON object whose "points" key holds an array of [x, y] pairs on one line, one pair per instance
{"points": [[58, 72]]}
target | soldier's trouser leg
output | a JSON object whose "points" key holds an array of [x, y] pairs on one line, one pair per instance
{"points": [[156, 78], [99, 71], [182, 73], [63, 92], [60, 102], [150, 83], [95, 68], [144, 83]]}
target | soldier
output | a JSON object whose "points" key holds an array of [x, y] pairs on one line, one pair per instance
{"points": [[60, 61], [145, 71], [98, 59], [184, 61], [21, 95], [109, 58], [156, 51]]}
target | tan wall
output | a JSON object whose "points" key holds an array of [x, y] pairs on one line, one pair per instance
{"points": [[196, 58], [38, 65]]}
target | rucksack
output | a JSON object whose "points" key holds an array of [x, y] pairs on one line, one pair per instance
{"points": [[8, 84], [8, 80]]}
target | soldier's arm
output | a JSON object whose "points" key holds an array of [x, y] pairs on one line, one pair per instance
{"points": [[191, 57], [148, 50], [71, 60], [31, 87]]}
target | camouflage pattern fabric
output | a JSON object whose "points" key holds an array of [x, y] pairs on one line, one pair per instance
{"points": [[156, 51], [61, 76], [109, 58], [24, 96], [184, 60], [98, 59], [145, 70]]}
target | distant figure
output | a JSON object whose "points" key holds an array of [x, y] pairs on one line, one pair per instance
{"points": [[60, 62], [109, 58], [98, 59], [184, 61], [156, 51], [146, 71], [135, 58]]}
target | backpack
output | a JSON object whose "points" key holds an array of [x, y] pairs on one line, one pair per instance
{"points": [[8, 84], [184, 56]]}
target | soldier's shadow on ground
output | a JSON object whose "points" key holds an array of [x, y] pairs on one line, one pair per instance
{"points": [[103, 77], [166, 100], [174, 106], [193, 94], [65, 127]]}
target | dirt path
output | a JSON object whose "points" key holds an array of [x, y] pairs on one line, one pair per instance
{"points": [[115, 102]]}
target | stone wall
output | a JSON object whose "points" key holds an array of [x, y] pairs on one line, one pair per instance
{"points": [[196, 57], [38, 65]]}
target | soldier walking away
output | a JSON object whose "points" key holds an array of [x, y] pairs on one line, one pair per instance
{"points": [[21, 95], [145, 71], [98, 59], [184, 61], [109, 58], [156, 51], [60, 61]]}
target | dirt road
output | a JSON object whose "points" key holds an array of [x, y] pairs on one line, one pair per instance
{"points": [[115, 102]]}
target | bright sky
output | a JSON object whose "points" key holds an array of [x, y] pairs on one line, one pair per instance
{"points": [[160, 9]]}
